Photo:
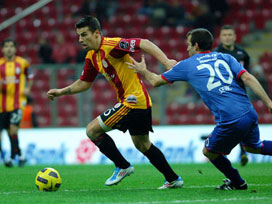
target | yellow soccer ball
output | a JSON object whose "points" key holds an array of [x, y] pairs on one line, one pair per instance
{"points": [[48, 179]]}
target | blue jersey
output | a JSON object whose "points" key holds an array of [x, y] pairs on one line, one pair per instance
{"points": [[215, 77]]}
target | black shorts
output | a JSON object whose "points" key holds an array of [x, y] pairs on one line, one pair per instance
{"points": [[121, 117], [7, 118]]}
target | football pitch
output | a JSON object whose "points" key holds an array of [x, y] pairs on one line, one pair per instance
{"points": [[85, 184]]}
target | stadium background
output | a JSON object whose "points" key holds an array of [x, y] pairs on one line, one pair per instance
{"points": [[175, 104]]}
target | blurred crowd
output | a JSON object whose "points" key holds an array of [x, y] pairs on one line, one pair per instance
{"points": [[203, 13]]}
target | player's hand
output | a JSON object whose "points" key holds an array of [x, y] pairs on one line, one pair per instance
{"points": [[138, 66], [170, 63], [52, 93]]}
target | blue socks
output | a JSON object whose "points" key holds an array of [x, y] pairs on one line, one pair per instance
{"points": [[224, 165], [267, 147]]}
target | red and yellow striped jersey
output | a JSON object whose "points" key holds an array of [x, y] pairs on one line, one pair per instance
{"points": [[13, 76], [110, 60]]}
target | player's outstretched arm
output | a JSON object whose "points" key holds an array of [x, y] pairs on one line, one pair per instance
{"points": [[156, 52], [250, 81], [77, 87], [154, 79]]}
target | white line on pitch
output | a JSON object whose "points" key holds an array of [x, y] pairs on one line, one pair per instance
{"points": [[124, 189]]}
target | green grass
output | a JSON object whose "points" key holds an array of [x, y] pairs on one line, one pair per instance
{"points": [[85, 184]]}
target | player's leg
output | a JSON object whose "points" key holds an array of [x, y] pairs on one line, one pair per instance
{"points": [[15, 119], [139, 125], [223, 164], [158, 160], [13, 135], [253, 144], [105, 144], [1, 151], [96, 131], [222, 140], [3, 125]]}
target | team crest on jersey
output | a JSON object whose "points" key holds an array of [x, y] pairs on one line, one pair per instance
{"points": [[112, 76], [105, 64], [132, 99], [17, 70], [123, 44]]}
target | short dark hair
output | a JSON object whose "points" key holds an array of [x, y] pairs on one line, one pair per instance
{"points": [[91, 22], [227, 27], [8, 40], [202, 37]]}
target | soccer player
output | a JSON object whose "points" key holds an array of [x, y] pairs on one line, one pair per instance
{"points": [[107, 56], [227, 45], [215, 77], [15, 85]]}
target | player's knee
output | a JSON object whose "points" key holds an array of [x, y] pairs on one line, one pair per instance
{"points": [[13, 130], [205, 152], [91, 133], [208, 154], [142, 146]]}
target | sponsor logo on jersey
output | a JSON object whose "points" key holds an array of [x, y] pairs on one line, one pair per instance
{"points": [[105, 64], [123, 44], [17, 70], [132, 99], [224, 89], [132, 45], [112, 76], [10, 80]]}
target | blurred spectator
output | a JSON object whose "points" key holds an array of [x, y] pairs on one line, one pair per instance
{"points": [[227, 45], [64, 52], [218, 9], [105, 9], [175, 13], [147, 8], [159, 14], [257, 71], [29, 119], [102, 9], [201, 16], [87, 8], [45, 51]]}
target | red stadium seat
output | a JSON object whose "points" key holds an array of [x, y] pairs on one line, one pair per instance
{"points": [[254, 4], [262, 16], [99, 108]]}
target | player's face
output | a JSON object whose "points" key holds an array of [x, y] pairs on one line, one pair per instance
{"points": [[190, 49], [9, 50], [87, 39], [227, 37]]}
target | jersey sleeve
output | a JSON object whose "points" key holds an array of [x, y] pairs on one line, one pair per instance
{"points": [[129, 45], [177, 73], [27, 71], [236, 68], [89, 72]]}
